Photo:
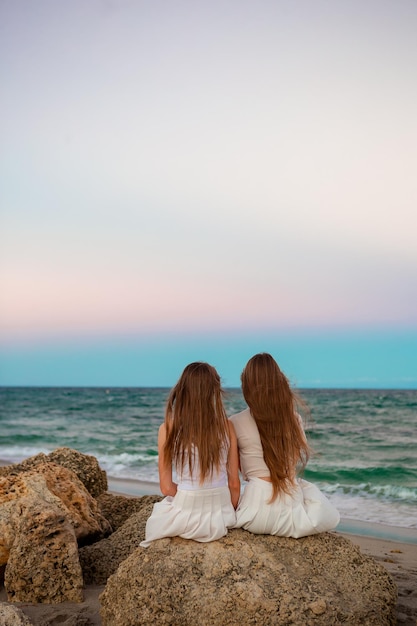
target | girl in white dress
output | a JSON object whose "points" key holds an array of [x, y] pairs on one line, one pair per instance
{"points": [[199, 442], [272, 448]]}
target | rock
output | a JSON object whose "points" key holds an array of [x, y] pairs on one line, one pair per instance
{"points": [[12, 616], [250, 579], [43, 565], [100, 560], [51, 484], [117, 509], [86, 467], [45, 513]]}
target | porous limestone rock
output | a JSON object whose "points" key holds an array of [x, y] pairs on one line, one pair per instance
{"points": [[12, 616], [48, 484], [101, 559], [43, 565], [85, 466], [117, 509], [250, 579], [45, 512]]}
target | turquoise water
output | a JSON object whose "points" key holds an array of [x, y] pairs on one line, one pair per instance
{"points": [[365, 441]]}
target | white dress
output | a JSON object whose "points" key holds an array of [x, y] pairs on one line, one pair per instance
{"points": [[305, 511], [200, 512]]}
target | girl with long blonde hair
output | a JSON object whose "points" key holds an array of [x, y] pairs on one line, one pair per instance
{"points": [[273, 449], [198, 442]]}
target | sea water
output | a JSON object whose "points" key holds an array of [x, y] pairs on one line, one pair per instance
{"points": [[364, 441]]}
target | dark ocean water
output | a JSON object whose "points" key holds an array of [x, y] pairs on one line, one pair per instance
{"points": [[365, 441]]}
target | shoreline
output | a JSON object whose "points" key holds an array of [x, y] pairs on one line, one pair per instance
{"points": [[402, 534], [133, 487]]}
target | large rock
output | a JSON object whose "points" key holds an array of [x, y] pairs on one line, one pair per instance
{"points": [[43, 565], [101, 559], [45, 512], [250, 579], [86, 467], [53, 485]]}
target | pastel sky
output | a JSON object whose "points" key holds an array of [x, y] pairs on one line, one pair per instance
{"points": [[202, 180]]}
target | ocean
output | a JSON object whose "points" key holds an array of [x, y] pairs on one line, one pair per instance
{"points": [[364, 441]]}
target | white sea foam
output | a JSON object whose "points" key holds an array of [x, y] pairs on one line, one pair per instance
{"points": [[406, 495], [16, 454], [358, 507]]}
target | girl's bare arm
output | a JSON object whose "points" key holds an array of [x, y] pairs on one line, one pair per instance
{"points": [[233, 467], [166, 484]]}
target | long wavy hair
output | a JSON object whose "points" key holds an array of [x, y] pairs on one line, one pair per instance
{"points": [[274, 407], [195, 419]]}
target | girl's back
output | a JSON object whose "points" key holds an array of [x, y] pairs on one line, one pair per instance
{"points": [[271, 444], [197, 440]]}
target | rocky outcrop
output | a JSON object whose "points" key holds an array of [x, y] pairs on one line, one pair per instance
{"points": [[101, 559], [85, 467], [50, 485], [45, 512], [43, 565], [55, 538], [250, 579], [12, 616]]}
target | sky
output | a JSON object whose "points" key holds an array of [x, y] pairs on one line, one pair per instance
{"points": [[191, 180]]}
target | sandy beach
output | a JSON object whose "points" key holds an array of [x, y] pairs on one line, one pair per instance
{"points": [[400, 560], [395, 548]]}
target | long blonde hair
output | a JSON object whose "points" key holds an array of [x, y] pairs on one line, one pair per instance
{"points": [[273, 405], [195, 419]]}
